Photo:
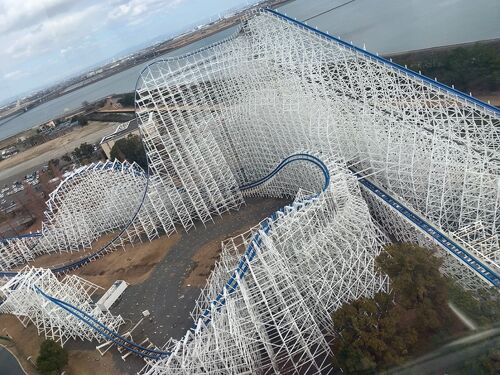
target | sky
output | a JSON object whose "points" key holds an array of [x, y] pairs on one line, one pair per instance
{"points": [[44, 41]]}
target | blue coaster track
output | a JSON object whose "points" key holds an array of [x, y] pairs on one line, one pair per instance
{"points": [[231, 285], [441, 238], [250, 253]]}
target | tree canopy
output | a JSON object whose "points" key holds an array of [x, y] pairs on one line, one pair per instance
{"points": [[487, 363], [127, 100], [415, 279], [469, 68], [381, 332], [84, 151], [82, 120], [371, 333], [130, 149], [483, 306], [52, 358]]}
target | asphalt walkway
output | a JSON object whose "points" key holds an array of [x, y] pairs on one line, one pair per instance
{"points": [[163, 294]]}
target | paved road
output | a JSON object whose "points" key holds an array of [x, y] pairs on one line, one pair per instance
{"points": [[63, 147], [163, 294]]}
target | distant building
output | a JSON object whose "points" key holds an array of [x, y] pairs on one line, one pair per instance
{"points": [[47, 126], [121, 131]]}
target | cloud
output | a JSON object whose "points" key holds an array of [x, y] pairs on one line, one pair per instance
{"points": [[55, 33], [35, 27], [18, 15], [16, 74], [137, 8], [44, 40]]}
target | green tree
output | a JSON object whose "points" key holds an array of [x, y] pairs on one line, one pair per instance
{"points": [[473, 68], [381, 332], [53, 168], [82, 120], [34, 140], [127, 100], [417, 283], [52, 358], [54, 162], [371, 335], [486, 363], [483, 306], [490, 362], [130, 149], [83, 152]]}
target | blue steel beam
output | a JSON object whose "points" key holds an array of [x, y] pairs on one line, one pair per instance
{"points": [[243, 265], [103, 330], [442, 239], [28, 235], [95, 255]]}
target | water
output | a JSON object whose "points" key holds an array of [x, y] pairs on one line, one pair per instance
{"points": [[385, 26], [116, 84], [9, 364], [390, 26]]}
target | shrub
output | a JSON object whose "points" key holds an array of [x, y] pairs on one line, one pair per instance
{"points": [[52, 358]]}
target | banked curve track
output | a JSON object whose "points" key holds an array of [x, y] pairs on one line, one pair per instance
{"points": [[231, 285], [64, 268], [250, 252]]}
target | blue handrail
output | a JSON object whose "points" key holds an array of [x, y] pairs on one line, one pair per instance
{"points": [[81, 262], [104, 331], [27, 235], [292, 158], [249, 254]]}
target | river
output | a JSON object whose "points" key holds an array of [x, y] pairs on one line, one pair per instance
{"points": [[384, 26]]}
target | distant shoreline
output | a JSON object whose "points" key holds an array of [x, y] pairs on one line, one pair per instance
{"points": [[442, 48], [415, 54], [172, 45], [148, 55]]}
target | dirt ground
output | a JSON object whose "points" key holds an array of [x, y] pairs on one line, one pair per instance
{"points": [[144, 266], [26, 341], [90, 362], [55, 148], [54, 259], [134, 264], [205, 259]]}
